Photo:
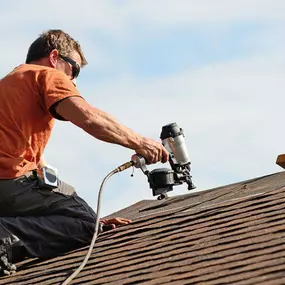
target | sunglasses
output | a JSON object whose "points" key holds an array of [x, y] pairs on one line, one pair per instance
{"points": [[74, 64]]}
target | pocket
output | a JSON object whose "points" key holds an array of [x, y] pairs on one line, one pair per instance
{"points": [[6, 187], [27, 198]]}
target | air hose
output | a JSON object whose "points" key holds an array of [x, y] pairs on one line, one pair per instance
{"points": [[81, 266]]}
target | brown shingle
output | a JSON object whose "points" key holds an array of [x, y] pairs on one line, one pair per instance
{"points": [[229, 235]]}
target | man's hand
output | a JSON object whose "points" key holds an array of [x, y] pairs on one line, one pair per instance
{"points": [[110, 224], [152, 151], [42, 162], [116, 221]]}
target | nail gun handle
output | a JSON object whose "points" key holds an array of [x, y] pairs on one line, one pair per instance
{"points": [[139, 162]]}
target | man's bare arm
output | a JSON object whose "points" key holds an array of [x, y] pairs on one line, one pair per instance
{"points": [[104, 127]]}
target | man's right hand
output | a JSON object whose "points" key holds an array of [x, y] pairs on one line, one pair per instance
{"points": [[152, 151]]}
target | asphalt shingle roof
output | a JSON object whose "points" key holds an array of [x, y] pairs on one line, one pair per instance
{"points": [[229, 235]]}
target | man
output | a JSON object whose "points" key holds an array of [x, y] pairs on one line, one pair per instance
{"points": [[36, 220]]}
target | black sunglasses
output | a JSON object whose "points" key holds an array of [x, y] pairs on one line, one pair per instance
{"points": [[74, 64]]}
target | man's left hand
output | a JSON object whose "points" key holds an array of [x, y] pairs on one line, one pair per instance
{"points": [[110, 224], [116, 221]]}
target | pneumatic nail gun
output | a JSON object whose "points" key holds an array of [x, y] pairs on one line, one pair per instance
{"points": [[162, 180]]}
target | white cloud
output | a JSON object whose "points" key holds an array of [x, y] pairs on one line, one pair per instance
{"points": [[207, 11], [117, 17]]}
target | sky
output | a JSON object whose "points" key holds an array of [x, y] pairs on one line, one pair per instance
{"points": [[215, 67]]}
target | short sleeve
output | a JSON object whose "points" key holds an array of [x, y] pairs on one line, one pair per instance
{"points": [[54, 87]]}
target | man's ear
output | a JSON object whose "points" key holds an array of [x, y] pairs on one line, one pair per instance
{"points": [[53, 58]]}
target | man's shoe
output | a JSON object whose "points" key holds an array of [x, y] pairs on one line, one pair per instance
{"points": [[6, 267]]}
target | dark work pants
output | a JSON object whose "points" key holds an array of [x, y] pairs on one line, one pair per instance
{"points": [[47, 222]]}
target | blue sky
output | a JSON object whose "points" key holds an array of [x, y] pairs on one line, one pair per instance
{"points": [[175, 49], [215, 67]]}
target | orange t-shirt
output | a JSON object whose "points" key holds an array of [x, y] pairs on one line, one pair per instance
{"points": [[27, 99]]}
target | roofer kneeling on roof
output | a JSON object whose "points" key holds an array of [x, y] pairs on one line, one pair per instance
{"points": [[35, 220]]}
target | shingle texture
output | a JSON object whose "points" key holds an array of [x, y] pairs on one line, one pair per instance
{"points": [[228, 235]]}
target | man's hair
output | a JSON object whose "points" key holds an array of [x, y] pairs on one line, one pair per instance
{"points": [[54, 39]]}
